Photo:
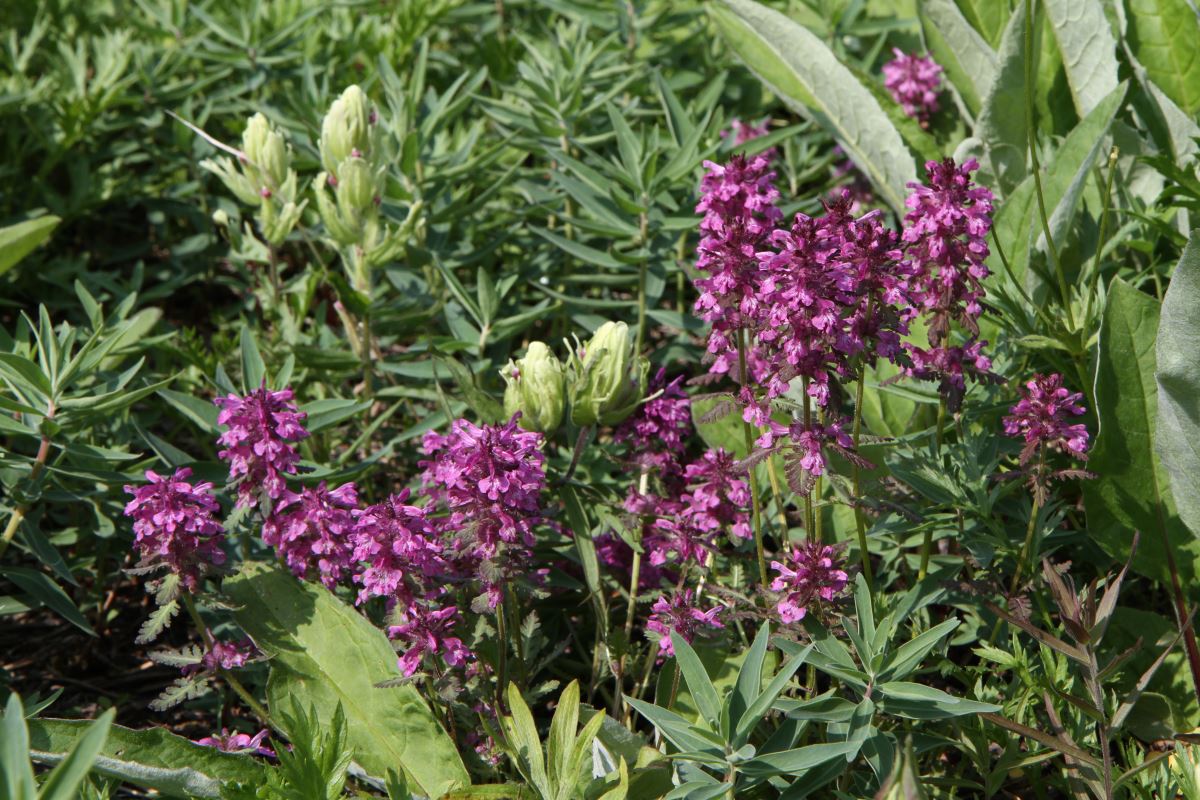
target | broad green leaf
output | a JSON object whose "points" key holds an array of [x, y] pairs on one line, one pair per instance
{"points": [[916, 701], [910, 654], [988, 17], [766, 699], [798, 67], [749, 680], [1002, 130], [1165, 36], [65, 778], [1018, 224], [674, 728], [1177, 437], [17, 241], [324, 652], [202, 412], [1088, 50], [969, 61], [1129, 492], [323, 414], [521, 733], [561, 742], [152, 758]]}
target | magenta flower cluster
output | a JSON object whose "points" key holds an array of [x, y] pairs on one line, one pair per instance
{"points": [[174, 525], [224, 655], [262, 428], [656, 434], [1042, 418], [680, 615], [914, 82], [312, 529], [239, 742], [809, 573]]}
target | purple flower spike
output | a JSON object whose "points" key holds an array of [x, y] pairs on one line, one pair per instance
{"points": [[174, 525], [311, 531], [1042, 418], [258, 447], [656, 433], [810, 572], [719, 495], [915, 82], [399, 547], [680, 615]]}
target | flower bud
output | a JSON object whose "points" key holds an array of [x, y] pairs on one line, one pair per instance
{"points": [[356, 188], [346, 129], [267, 151], [535, 388], [904, 783], [607, 377]]}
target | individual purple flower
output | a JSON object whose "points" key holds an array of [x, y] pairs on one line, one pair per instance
{"points": [[803, 448], [258, 444], [657, 432], [397, 546], [238, 742], [224, 655], [1042, 417], [718, 495], [312, 531], [810, 572], [491, 478], [680, 615], [951, 366], [426, 630], [915, 82], [174, 525]]}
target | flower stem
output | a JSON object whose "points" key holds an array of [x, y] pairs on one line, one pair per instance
{"points": [[810, 528], [39, 463], [756, 510], [1026, 547], [1181, 615], [860, 523]]}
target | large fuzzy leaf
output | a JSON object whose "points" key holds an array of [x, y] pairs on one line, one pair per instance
{"points": [[1088, 50], [151, 759], [325, 653], [798, 67], [1129, 492], [1177, 437], [1002, 131], [1165, 36], [969, 61]]}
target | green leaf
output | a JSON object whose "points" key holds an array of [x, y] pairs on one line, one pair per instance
{"points": [[323, 652], [1164, 36], [988, 17], [254, 371], [1129, 492], [41, 588], [17, 241], [15, 771], [1088, 50], [790, 762], [749, 681], [1001, 130], [698, 682], [201, 412], [909, 655], [151, 759], [766, 699], [64, 779], [915, 701], [1177, 437], [522, 738], [560, 744], [674, 728], [585, 546], [969, 61], [588, 255], [798, 67], [324, 414]]}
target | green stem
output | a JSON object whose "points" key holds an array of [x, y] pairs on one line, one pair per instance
{"points": [[810, 530], [1026, 547], [860, 522], [22, 509], [502, 658], [226, 675], [1037, 177], [1093, 284], [1181, 615], [756, 511], [643, 227]]}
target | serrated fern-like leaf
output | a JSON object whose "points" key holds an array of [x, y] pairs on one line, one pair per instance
{"points": [[179, 691], [157, 622], [184, 657]]}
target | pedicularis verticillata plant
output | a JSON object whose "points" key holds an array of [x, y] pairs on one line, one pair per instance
{"points": [[606, 401]]}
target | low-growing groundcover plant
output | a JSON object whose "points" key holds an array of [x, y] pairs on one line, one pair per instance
{"points": [[577, 399]]}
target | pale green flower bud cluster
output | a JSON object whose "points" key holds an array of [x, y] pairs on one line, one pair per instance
{"points": [[535, 386], [350, 189], [606, 378], [264, 179]]}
